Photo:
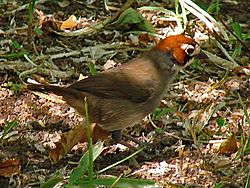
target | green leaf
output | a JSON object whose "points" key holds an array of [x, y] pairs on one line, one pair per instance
{"points": [[55, 179], [82, 168], [17, 88], [211, 8], [7, 128], [14, 55], [159, 131], [146, 26], [219, 185], [246, 36], [38, 31], [217, 6], [166, 12], [196, 65], [237, 29], [122, 183], [248, 181], [16, 44], [221, 122], [31, 9], [237, 50], [92, 69], [131, 16], [159, 112], [214, 7], [247, 146]]}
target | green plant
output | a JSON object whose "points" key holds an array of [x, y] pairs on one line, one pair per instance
{"points": [[31, 9], [90, 144], [248, 181], [221, 122], [93, 69], [197, 65], [159, 112], [15, 44], [17, 88], [238, 31], [79, 178], [38, 31], [57, 177], [214, 7], [245, 140], [131, 17], [7, 128]]}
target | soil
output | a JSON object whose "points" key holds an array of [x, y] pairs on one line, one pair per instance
{"points": [[201, 93]]}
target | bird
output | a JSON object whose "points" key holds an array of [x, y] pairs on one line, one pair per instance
{"points": [[122, 96]]}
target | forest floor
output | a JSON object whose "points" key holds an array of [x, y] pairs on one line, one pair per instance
{"points": [[202, 110]]}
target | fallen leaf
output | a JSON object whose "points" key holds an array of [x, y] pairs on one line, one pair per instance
{"points": [[71, 138], [64, 3], [109, 64], [9, 167], [131, 17], [229, 146], [70, 23]]}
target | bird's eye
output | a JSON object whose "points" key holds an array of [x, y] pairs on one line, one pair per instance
{"points": [[190, 49]]}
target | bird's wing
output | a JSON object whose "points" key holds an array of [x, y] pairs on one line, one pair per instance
{"points": [[116, 85]]}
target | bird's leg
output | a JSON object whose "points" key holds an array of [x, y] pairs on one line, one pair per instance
{"points": [[117, 136], [133, 139], [147, 146]]}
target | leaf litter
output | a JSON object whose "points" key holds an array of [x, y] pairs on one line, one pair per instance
{"points": [[207, 94]]}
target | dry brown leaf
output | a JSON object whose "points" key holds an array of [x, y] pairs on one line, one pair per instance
{"points": [[9, 167], [64, 3], [182, 115], [71, 138], [242, 70], [229, 146], [109, 64], [70, 23], [66, 143], [145, 39]]}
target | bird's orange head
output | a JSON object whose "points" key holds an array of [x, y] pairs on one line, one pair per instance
{"points": [[182, 48]]}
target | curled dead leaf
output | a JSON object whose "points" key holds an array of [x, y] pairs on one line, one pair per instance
{"points": [[229, 146], [70, 23], [64, 3], [9, 167], [71, 138]]}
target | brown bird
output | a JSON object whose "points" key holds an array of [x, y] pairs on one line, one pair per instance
{"points": [[122, 96]]}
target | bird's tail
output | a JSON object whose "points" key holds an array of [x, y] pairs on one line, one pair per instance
{"points": [[47, 88], [73, 97]]}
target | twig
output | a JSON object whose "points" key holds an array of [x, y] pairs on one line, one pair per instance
{"points": [[97, 26], [168, 134], [48, 72], [222, 63], [238, 38], [29, 60], [210, 22], [24, 7], [224, 51], [124, 7], [78, 52], [85, 31]]}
